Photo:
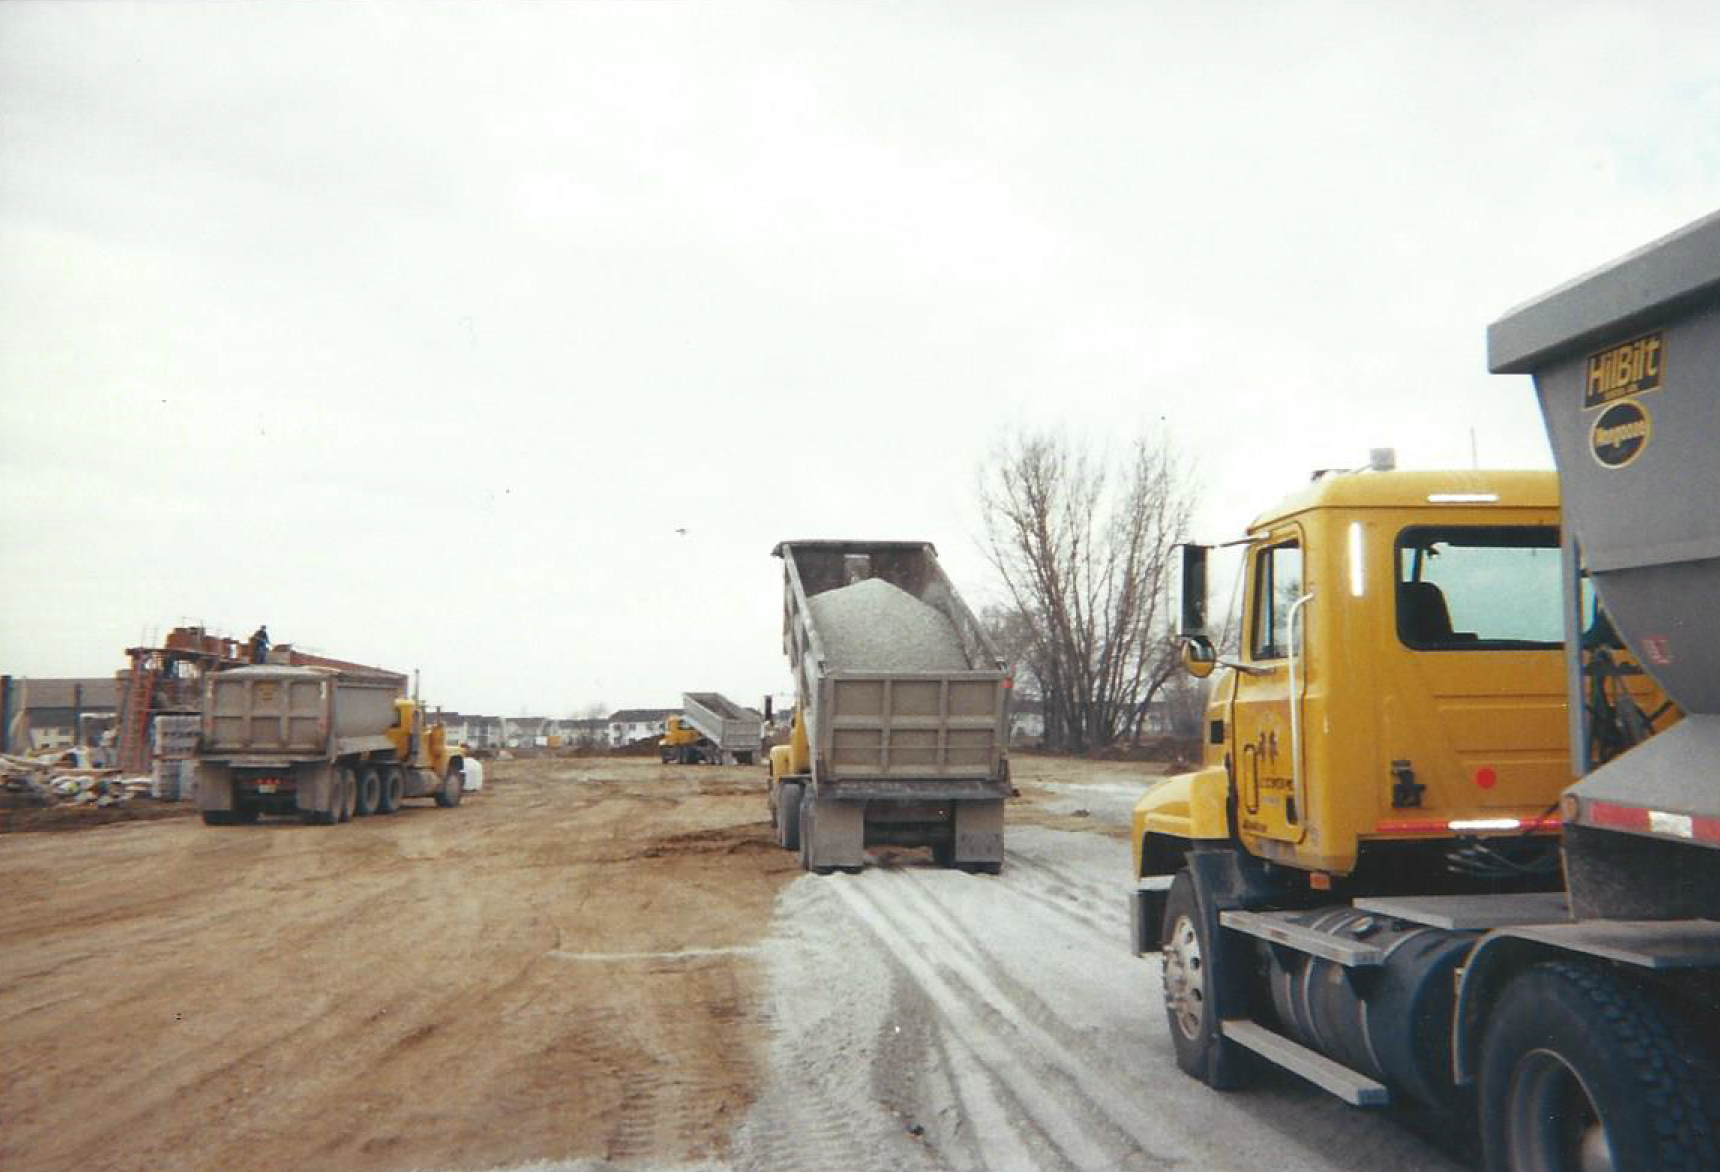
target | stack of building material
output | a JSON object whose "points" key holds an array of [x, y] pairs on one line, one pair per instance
{"points": [[60, 778], [175, 740]]}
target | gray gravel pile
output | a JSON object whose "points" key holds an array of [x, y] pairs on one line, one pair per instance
{"points": [[874, 626]]}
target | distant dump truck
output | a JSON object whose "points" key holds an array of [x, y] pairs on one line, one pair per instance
{"points": [[711, 729], [901, 721], [322, 744]]}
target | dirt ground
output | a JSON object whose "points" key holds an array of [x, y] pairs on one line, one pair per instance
{"points": [[606, 963], [558, 968]]}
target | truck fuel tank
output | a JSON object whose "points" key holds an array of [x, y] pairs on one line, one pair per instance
{"points": [[1390, 1019]]}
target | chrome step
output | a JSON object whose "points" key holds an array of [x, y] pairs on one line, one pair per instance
{"points": [[1354, 1088], [1278, 928]]}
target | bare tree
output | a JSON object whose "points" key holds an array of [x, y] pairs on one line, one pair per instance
{"points": [[1084, 547], [590, 736]]}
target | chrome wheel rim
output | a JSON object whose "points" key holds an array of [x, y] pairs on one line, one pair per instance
{"points": [[1552, 1120], [1185, 973]]}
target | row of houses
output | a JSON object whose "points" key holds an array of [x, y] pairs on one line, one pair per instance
{"points": [[621, 727], [38, 715]]}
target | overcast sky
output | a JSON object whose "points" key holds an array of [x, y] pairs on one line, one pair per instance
{"points": [[423, 333]]}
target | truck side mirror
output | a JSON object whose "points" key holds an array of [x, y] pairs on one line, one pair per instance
{"points": [[1194, 592], [1198, 658]]}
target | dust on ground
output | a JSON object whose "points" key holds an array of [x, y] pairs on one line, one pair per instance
{"points": [[1072, 793], [561, 968]]}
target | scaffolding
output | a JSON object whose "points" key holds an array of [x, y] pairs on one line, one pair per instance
{"points": [[167, 681]]}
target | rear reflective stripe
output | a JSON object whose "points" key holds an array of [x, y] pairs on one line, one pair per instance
{"points": [[1690, 827], [1467, 825]]}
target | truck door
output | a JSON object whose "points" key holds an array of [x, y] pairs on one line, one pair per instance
{"points": [[1267, 803]]}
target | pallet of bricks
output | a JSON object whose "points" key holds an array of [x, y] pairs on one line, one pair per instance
{"points": [[174, 743]]}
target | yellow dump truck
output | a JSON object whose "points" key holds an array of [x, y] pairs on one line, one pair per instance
{"points": [[901, 718], [1381, 877], [321, 744], [713, 730]]}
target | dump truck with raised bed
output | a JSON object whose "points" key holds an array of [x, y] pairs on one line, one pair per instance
{"points": [[901, 710], [319, 743], [712, 730], [1382, 877]]}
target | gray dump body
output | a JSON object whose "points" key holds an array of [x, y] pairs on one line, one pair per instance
{"points": [[922, 734], [1626, 362], [281, 739], [732, 729], [295, 713]]}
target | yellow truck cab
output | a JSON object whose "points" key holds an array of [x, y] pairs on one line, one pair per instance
{"points": [[1398, 680], [679, 742], [1391, 723], [1412, 864]]}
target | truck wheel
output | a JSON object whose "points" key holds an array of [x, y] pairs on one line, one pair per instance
{"points": [[348, 793], [393, 789], [1190, 979], [944, 853], [453, 787], [369, 792], [219, 818], [246, 815], [788, 815], [1580, 1071]]}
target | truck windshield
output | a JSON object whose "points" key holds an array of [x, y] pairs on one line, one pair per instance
{"points": [[1479, 588]]}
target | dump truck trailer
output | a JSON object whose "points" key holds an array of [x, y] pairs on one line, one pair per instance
{"points": [[901, 717], [1381, 877], [713, 730], [325, 745]]}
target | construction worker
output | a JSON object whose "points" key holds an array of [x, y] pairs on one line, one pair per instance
{"points": [[260, 644]]}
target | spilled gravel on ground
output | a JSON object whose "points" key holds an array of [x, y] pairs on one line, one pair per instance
{"points": [[924, 1019]]}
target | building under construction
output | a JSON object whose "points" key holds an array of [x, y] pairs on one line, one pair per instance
{"points": [[168, 681]]}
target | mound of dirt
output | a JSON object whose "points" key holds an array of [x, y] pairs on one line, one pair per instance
{"points": [[88, 817]]}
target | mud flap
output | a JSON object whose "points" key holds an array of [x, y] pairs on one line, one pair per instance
{"points": [[1226, 880], [214, 786], [316, 787], [979, 832], [1147, 913], [838, 832]]}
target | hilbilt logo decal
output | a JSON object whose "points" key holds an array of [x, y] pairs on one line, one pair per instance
{"points": [[1630, 368]]}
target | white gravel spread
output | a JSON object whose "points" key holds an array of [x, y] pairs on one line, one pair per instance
{"points": [[875, 626]]}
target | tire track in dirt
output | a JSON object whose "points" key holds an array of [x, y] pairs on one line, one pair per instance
{"points": [[1007, 1036], [1070, 901], [927, 1019], [817, 1109]]}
